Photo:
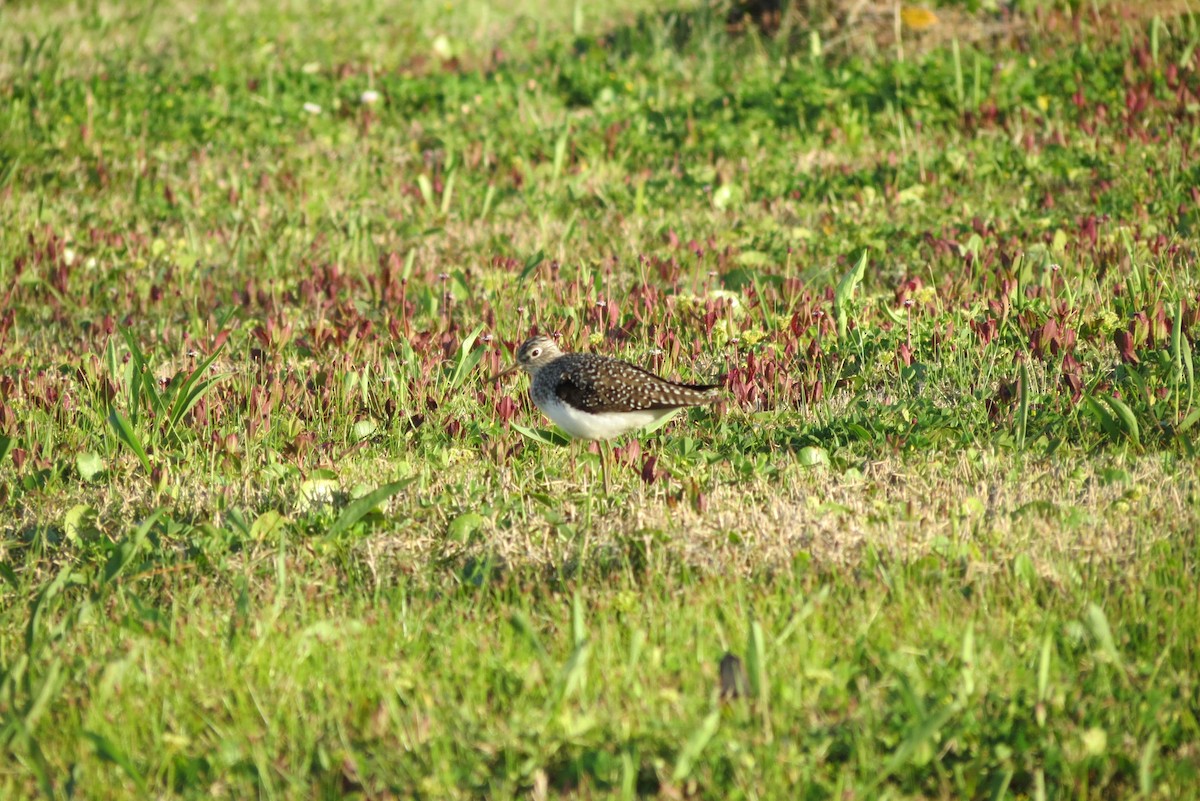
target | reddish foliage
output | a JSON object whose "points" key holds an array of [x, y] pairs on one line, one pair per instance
{"points": [[650, 472], [986, 329], [1051, 339], [1125, 347], [629, 453], [506, 408], [1072, 376]]}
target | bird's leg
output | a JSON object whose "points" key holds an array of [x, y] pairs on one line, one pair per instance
{"points": [[604, 454], [577, 449]]}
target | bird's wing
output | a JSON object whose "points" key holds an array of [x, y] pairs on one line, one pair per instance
{"points": [[623, 387]]}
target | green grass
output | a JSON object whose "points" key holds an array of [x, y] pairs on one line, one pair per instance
{"points": [[269, 530]]}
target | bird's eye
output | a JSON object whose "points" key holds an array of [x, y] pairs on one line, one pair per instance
{"points": [[533, 354]]}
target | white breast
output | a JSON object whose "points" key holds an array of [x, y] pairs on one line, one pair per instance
{"points": [[585, 425]]}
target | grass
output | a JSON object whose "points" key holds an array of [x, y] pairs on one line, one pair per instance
{"points": [[267, 528]]}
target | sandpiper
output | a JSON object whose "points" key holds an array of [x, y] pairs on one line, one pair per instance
{"points": [[597, 397]]}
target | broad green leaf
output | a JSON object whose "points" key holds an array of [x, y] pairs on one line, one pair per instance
{"points": [[813, 456], [462, 527], [365, 429], [660, 422], [267, 525], [89, 465], [727, 196], [78, 522], [542, 435]]}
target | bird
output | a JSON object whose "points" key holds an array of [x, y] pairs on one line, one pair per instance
{"points": [[596, 397]]}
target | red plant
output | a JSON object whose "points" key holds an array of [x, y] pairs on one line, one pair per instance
{"points": [[650, 472], [986, 329]]}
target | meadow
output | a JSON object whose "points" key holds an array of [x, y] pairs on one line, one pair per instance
{"points": [[268, 530]]}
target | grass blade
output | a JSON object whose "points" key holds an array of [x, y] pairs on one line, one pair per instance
{"points": [[521, 624], [1107, 422], [126, 434], [448, 193], [109, 752], [695, 746], [531, 264], [1022, 405], [1126, 417], [139, 378], [560, 153], [1097, 622], [426, 187], [574, 674], [1043, 679], [467, 358], [1146, 766], [845, 292], [51, 685], [578, 626], [756, 660], [927, 730], [756, 667], [192, 389], [124, 551], [358, 508]]}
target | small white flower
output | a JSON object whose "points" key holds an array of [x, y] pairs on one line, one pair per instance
{"points": [[312, 108], [369, 97], [68, 257]]}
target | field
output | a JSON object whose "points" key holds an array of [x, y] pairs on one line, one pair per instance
{"points": [[268, 530]]}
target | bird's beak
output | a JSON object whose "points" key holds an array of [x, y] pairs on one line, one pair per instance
{"points": [[504, 373]]}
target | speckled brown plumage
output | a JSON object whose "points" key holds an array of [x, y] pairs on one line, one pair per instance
{"points": [[598, 384], [597, 397]]}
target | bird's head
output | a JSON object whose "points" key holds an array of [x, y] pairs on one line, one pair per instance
{"points": [[534, 353]]}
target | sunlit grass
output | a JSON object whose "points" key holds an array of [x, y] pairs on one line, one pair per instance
{"points": [[269, 529]]}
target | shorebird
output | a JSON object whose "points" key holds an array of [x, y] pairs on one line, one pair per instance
{"points": [[597, 397]]}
